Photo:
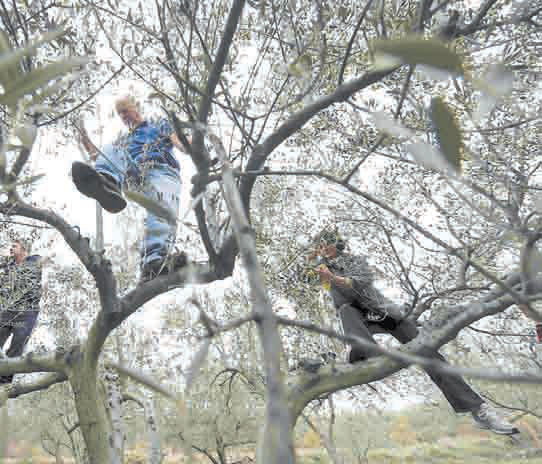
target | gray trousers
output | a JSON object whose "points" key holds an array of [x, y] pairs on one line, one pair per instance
{"points": [[461, 397]]}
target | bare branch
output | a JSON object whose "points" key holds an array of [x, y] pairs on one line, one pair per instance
{"points": [[141, 378]]}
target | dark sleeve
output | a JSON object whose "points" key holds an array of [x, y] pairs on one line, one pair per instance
{"points": [[29, 283], [367, 296]]}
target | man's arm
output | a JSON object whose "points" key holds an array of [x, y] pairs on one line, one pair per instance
{"points": [[177, 143], [327, 276], [91, 149]]}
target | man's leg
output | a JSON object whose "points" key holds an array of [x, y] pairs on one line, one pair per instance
{"points": [[461, 397], [22, 327], [5, 331], [104, 182], [354, 326], [6, 326], [459, 394], [163, 185]]}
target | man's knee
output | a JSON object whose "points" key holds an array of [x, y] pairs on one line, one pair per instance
{"points": [[347, 307]]}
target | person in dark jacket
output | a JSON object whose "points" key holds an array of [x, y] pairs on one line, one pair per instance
{"points": [[364, 311], [20, 293]]}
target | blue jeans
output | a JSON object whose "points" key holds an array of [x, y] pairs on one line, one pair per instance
{"points": [[156, 181]]}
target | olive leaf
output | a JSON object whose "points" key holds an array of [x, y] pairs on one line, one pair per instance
{"points": [[416, 50], [10, 59], [301, 66], [26, 134], [7, 73], [27, 181], [38, 78], [447, 132], [152, 206]]}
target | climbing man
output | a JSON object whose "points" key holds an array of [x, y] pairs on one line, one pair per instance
{"points": [[20, 293], [143, 161], [364, 311]]}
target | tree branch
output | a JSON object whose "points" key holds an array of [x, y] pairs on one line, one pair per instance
{"points": [[42, 383]]}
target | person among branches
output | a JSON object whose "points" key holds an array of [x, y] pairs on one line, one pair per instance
{"points": [[20, 293], [364, 311], [143, 161]]}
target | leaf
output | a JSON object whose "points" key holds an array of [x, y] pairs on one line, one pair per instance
{"points": [[388, 125], [295, 70], [49, 91], [447, 132], [416, 50], [27, 181], [26, 134], [343, 13], [10, 60], [497, 82], [6, 74], [152, 206], [37, 79], [305, 61], [429, 157], [301, 66]]}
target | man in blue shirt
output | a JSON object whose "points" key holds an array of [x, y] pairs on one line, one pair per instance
{"points": [[143, 161], [20, 293]]}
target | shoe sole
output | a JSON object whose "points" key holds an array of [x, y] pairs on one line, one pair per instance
{"points": [[498, 432], [89, 182]]}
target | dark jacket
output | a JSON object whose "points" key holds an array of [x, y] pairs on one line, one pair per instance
{"points": [[363, 294], [20, 285]]}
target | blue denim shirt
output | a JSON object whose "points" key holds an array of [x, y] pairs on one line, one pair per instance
{"points": [[150, 141]]}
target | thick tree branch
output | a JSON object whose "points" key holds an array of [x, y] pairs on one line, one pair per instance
{"points": [[141, 378], [297, 121], [277, 446], [438, 332], [32, 362], [43, 383], [214, 76]]}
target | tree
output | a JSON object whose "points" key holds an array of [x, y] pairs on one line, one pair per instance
{"points": [[320, 74]]}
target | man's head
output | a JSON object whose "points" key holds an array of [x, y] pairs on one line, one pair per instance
{"points": [[330, 242], [127, 108], [19, 249]]}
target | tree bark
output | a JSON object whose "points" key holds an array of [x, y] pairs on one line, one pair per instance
{"points": [[94, 421]]}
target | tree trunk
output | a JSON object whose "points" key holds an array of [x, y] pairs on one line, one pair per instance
{"points": [[113, 398], [155, 452], [92, 413]]}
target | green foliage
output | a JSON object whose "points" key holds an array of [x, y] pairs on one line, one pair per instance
{"points": [[152, 206], [447, 131], [416, 50], [17, 83]]}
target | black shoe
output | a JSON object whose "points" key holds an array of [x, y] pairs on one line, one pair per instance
{"points": [[157, 267], [313, 364], [99, 186], [6, 379], [356, 355]]}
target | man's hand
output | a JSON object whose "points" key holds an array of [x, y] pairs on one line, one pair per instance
{"points": [[327, 277], [325, 274], [85, 140]]}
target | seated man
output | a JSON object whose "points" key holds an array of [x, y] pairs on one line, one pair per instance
{"points": [[363, 311], [144, 160], [20, 293]]}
